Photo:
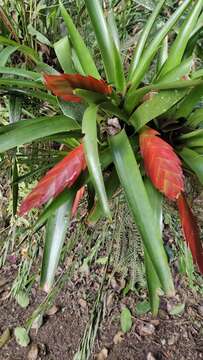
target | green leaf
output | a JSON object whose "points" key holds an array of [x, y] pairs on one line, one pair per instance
{"points": [[152, 49], [73, 110], [179, 45], [64, 197], [163, 54], [177, 72], [22, 299], [26, 50], [193, 138], [103, 36], [26, 131], [20, 72], [20, 83], [55, 235], [15, 108], [188, 103], [177, 309], [196, 119], [63, 52], [143, 39], [153, 283], [154, 107], [132, 183], [126, 320], [21, 336], [194, 161], [6, 53], [119, 71], [137, 94], [111, 184], [142, 307], [82, 51], [89, 129], [38, 35]]}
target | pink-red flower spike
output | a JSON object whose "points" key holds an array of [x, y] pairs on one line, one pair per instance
{"points": [[63, 85], [62, 175], [163, 167], [161, 164]]}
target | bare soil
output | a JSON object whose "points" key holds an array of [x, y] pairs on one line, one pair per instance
{"points": [[167, 337]]}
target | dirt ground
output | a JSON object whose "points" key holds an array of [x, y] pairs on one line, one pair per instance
{"points": [[167, 337]]}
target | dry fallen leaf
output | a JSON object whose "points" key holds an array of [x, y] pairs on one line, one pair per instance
{"points": [[4, 338], [102, 355], [33, 352], [118, 338]]}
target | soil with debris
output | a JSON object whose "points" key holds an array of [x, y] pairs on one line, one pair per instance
{"points": [[170, 337]]}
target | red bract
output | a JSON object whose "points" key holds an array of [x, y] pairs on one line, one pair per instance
{"points": [[78, 198], [62, 85], [61, 176], [191, 231], [161, 164]]}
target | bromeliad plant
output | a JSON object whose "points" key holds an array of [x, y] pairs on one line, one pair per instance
{"points": [[140, 136]]}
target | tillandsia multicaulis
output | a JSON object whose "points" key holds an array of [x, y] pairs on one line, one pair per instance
{"points": [[159, 131]]}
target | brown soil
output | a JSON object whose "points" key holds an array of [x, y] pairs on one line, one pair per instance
{"points": [[168, 337]]}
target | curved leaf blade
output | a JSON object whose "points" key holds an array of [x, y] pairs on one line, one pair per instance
{"points": [[27, 131], [194, 161], [131, 180], [82, 51], [55, 236], [89, 129], [179, 45]]}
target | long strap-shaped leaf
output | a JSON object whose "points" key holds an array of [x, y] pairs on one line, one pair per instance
{"points": [[194, 161], [82, 51], [191, 231], [153, 283], [55, 234], [131, 180], [119, 71], [103, 36], [188, 104], [26, 131], [63, 52], [89, 129], [155, 106], [151, 50], [143, 39], [179, 45]]}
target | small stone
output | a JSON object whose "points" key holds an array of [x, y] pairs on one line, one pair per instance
{"points": [[172, 340], [33, 352], [200, 310], [163, 342], [82, 303], [155, 322], [146, 329], [150, 356], [118, 338], [52, 311], [102, 355]]}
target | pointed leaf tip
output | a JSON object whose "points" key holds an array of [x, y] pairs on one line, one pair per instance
{"points": [[62, 175], [161, 164], [190, 231]]}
